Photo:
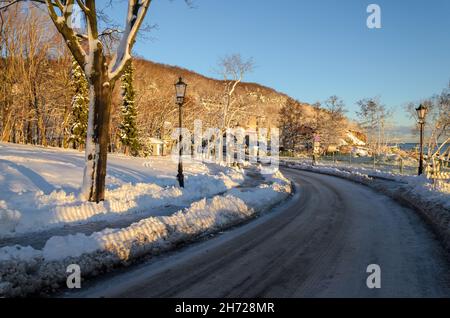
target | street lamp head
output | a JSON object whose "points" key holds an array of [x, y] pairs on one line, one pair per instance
{"points": [[180, 90], [421, 113]]}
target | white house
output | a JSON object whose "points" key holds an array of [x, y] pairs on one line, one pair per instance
{"points": [[155, 146]]}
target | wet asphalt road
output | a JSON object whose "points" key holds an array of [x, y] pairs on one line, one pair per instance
{"points": [[318, 244]]}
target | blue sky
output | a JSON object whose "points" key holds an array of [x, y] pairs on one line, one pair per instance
{"points": [[311, 49]]}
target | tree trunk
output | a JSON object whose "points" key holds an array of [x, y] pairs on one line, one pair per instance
{"points": [[29, 133], [98, 131], [42, 130], [6, 125]]}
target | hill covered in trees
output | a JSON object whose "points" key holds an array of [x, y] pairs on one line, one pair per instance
{"points": [[46, 116], [205, 99], [253, 104]]}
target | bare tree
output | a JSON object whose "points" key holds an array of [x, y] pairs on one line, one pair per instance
{"points": [[297, 126], [437, 120], [335, 125], [27, 41], [232, 69], [373, 118]]}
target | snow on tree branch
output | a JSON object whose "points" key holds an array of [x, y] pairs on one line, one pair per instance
{"points": [[136, 13]]}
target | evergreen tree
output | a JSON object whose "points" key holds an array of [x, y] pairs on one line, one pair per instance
{"points": [[80, 106], [128, 130]]}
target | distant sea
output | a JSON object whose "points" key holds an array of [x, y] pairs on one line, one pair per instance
{"points": [[412, 145]]}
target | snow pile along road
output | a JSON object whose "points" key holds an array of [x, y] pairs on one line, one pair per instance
{"points": [[25, 270]]}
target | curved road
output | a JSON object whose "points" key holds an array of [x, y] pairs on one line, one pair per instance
{"points": [[319, 244]]}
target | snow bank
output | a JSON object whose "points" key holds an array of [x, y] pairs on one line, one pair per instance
{"points": [[18, 253], [37, 270], [8, 218]]}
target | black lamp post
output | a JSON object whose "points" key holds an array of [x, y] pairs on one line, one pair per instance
{"points": [[421, 113], [180, 90]]}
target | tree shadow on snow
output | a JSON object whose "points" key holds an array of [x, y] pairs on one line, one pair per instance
{"points": [[34, 177]]}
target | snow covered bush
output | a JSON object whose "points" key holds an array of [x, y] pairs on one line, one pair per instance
{"points": [[80, 106], [128, 129]]}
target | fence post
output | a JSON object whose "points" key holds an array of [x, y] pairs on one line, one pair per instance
{"points": [[401, 165]]}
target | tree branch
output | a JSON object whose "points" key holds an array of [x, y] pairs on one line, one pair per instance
{"points": [[68, 34], [8, 4], [83, 7], [137, 10], [91, 20], [59, 5]]}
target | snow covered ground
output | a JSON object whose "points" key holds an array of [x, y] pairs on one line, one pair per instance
{"points": [[39, 187], [40, 190]]}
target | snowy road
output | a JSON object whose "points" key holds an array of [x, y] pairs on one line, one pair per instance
{"points": [[317, 245]]}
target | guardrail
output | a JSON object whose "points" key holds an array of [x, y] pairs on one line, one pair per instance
{"points": [[439, 172], [381, 163]]}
